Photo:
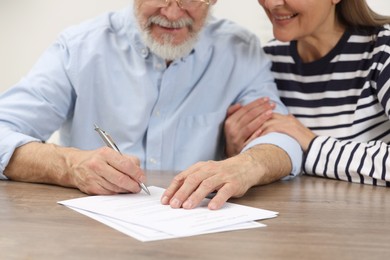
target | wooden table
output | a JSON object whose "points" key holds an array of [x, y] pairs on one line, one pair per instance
{"points": [[319, 219]]}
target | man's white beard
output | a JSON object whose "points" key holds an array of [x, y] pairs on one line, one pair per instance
{"points": [[167, 49]]}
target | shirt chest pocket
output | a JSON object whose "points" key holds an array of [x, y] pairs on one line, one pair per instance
{"points": [[199, 138]]}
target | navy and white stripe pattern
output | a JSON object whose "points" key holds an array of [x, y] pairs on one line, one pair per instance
{"points": [[344, 98]]}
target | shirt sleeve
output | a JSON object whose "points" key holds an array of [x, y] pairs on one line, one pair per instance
{"points": [[288, 144], [348, 160], [10, 141], [37, 105]]}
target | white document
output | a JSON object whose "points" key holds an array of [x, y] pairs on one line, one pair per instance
{"points": [[146, 234], [142, 214]]}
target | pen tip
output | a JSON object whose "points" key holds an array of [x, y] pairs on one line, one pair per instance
{"points": [[143, 186]]}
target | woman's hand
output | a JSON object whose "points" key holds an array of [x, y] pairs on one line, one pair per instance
{"points": [[290, 125], [243, 123]]}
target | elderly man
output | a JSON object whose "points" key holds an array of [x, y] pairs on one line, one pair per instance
{"points": [[159, 77]]}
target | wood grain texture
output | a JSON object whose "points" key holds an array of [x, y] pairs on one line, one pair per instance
{"points": [[319, 219]]}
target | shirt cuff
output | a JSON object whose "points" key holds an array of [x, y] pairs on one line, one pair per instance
{"points": [[288, 144], [10, 140]]}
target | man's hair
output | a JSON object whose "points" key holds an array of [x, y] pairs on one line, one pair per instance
{"points": [[357, 14]]}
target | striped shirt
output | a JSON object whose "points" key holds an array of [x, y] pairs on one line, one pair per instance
{"points": [[344, 98]]}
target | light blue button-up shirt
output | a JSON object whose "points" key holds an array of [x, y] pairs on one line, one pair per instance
{"points": [[170, 117]]}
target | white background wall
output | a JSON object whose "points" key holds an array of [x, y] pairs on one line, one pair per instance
{"points": [[27, 27]]}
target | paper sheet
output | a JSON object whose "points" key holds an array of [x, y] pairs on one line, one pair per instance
{"points": [[146, 234], [145, 218]]}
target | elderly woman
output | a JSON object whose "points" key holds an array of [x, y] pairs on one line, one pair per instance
{"points": [[331, 62]]}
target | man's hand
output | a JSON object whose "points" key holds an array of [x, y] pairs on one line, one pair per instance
{"points": [[105, 171], [190, 187], [102, 171], [232, 177], [243, 124]]}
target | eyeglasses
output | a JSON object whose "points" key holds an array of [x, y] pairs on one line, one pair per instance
{"points": [[183, 4]]}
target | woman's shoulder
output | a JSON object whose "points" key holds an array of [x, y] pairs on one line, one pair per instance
{"points": [[384, 32], [371, 33], [384, 29], [373, 39]]}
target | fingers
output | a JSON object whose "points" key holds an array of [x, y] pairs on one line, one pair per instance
{"points": [[221, 197], [123, 171], [128, 165], [236, 113], [105, 171], [291, 126], [193, 195], [232, 109], [189, 188], [173, 187], [223, 194], [256, 134], [181, 187], [107, 188], [255, 127], [247, 113], [248, 118], [278, 123], [243, 122], [118, 182]]}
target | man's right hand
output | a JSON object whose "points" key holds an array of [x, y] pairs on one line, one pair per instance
{"points": [[105, 171], [97, 172]]}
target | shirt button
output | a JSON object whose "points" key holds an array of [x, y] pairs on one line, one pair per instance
{"points": [[159, 66], [152, 160], [157, 113], [144, 52]]}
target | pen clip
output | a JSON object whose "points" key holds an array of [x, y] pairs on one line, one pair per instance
{"points": [[107, 138], [114, 146]]}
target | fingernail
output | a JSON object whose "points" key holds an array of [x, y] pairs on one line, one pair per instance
{"points": [[187, 204], [165, 200], [175, 203], [212, 206]]}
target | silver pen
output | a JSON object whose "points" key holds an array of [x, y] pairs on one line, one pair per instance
{"points": [[110, 143]]}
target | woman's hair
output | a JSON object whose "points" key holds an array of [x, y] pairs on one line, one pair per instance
{"points": [[357, 14]]}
